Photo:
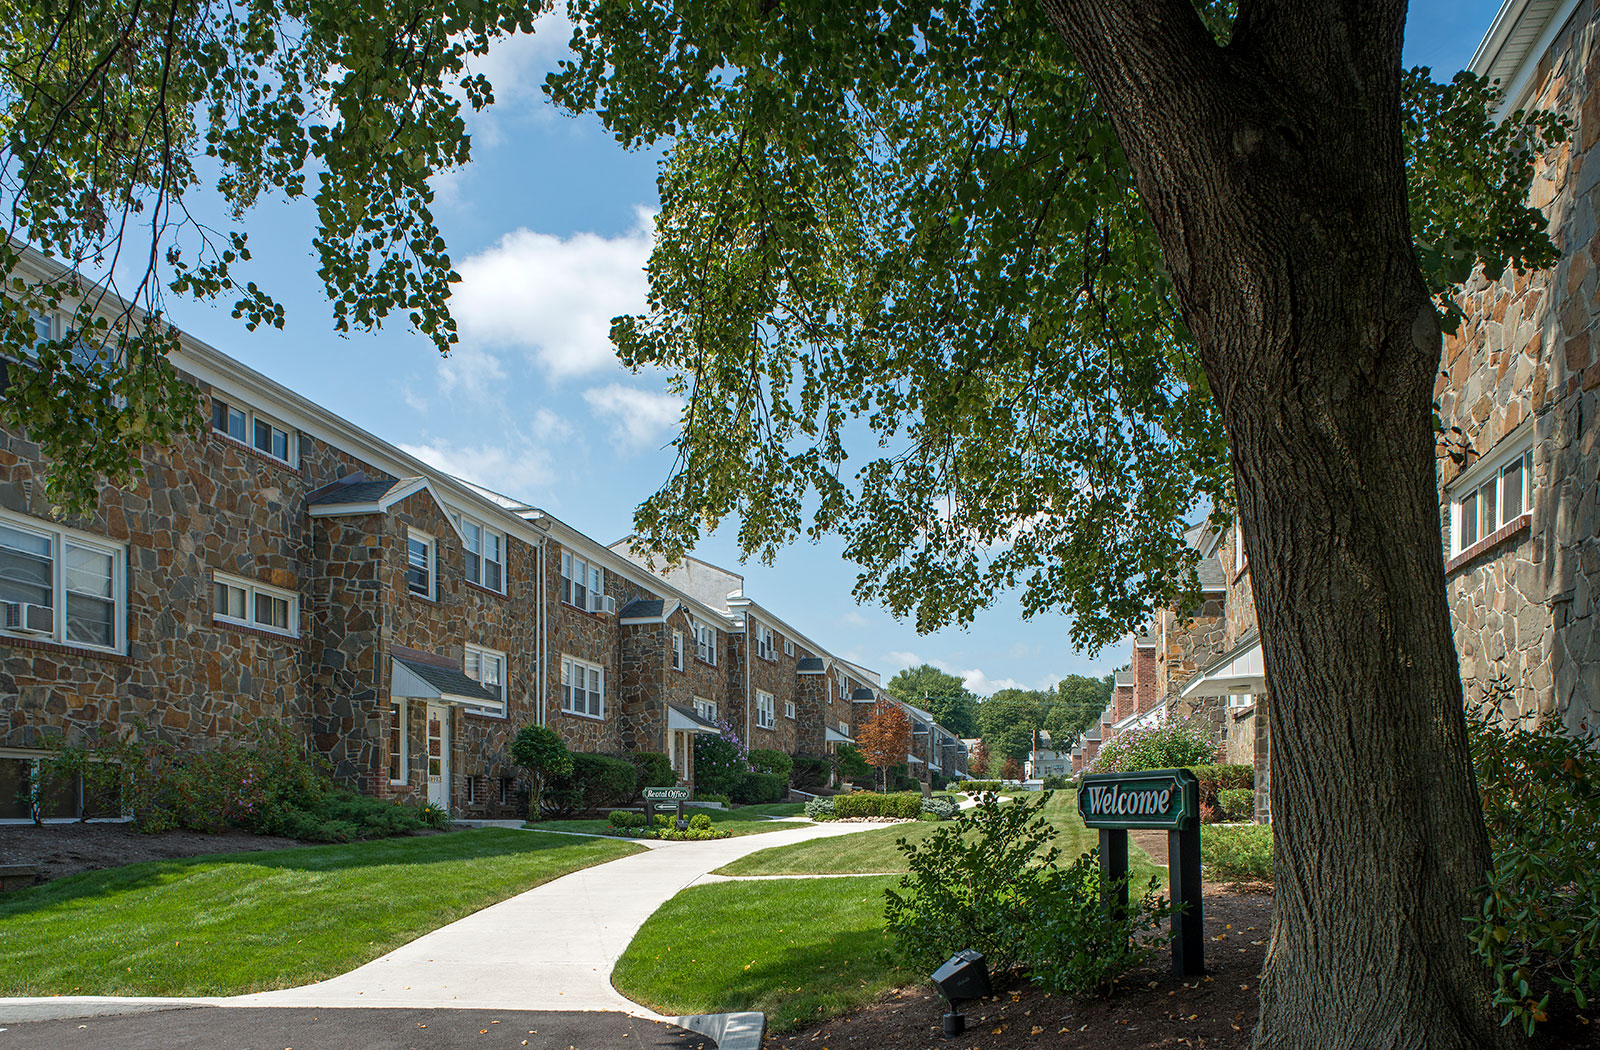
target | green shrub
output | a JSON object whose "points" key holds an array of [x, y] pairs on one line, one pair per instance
{"points": [[820, 808], [754, 789], [766, 760], [1237, 854], [940, 808], [719, 762], [700, 822], [624, 819], [851, 763], [810, 772], [1056, 782], [973, 787], [904, 805], [1540, 922], [1237, 804], [1213, 780], [974, 883], [1173, 743], [700, 796], [1068, 945], [540, 751], [436, 817], [596, 782], [652, 770]]}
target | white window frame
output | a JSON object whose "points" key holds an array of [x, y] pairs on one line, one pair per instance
{"points": [[592, 582], [569, 666], [1488, 475], [251, 418], [432, 545], [60, 538], [57, 324], [677, 650], [705, 643], [766, 706], [765, 648], [788, 709], [468, 524], [706, 709], [788, 647], [251, 589], [482, 654], [1240, 562], [398, 712], [838, 677]]}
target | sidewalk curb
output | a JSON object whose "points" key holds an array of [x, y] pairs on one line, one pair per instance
{"points": [[740, 1031]]}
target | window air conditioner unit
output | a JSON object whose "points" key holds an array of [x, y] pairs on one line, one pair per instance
{"points": [[27, 618], [602, 603]]}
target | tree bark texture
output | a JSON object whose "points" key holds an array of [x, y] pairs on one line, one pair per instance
{"points": [[1273, 168]]}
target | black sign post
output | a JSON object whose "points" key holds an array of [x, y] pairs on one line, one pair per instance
{"points": [[1158, 799]]}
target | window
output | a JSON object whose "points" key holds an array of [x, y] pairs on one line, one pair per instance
{"points": [[472, 791], [1495, 493], [248, 428], [487, 667], [76, 796], [61, 585], [397, 743], [788, 647], [507, 790], [419, 563], [582, 583], [52, 327], [839, 680], [1239, 560], [764, 710], [677, 650], [844, 728], [706, 709], [788, 709], [485, 554], [705, 642], [238, 600], [583, 688], [764, 644]]}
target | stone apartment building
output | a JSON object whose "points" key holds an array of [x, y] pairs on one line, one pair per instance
{"points": [[288, 567]]}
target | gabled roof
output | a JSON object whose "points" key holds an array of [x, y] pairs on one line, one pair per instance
{"points": [[1518, 37], [354, 494], [811, 665], [688, 718], [862, 696], [427, 680], [649, 610], [1213, 577]]}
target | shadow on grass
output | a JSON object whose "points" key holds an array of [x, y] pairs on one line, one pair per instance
{"points": [[408, 851]]}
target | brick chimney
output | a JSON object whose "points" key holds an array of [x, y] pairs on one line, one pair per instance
{"points": [[1146, 694]]}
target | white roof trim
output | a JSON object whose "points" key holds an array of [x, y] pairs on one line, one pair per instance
{"points": [[405, 682], [668, 610], [914, 758], [1519, 36], [833, 736], [1242, 672], [401, 489], [679, 721], [1486, 466]]}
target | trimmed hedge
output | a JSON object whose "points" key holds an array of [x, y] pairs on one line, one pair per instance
{"points": [[905, 805], [753, 789], [1237, 804], [1237, 854], [596, 782], [971, 786], [1221, 778]]}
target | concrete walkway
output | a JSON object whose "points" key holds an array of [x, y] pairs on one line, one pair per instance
{"points": [[551, 948]]}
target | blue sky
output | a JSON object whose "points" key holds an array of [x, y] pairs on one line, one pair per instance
{"points": [[549, 227]]}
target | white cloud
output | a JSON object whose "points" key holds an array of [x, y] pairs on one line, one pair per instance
{"points": [[901, 660], [854, 619], [516, 472], [980, 684], [638, 418], [547, 426], [553, 297], [473, 372]]}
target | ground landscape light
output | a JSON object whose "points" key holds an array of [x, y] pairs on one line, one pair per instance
{"points": [[963, 976]]}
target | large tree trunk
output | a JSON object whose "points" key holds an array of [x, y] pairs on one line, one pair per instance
{"points": [[1273, 169]]}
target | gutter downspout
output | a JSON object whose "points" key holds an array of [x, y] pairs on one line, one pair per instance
{"points": [[543, 648], [749, 669]]}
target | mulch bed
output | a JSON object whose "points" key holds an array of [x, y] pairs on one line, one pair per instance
{"points": [[1152, 1010], [66, 849]]}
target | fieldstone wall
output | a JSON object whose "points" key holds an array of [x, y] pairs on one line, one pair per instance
{"points": [[778, 676], [1186, 643], [1523, 608], [814, 705]]}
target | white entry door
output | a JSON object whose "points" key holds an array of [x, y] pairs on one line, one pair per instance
{"points": [[439, 755]]}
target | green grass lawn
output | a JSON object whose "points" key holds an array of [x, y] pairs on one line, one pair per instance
{"points": [[876, 851], [245, 922], [746, 820], [799, 950]]}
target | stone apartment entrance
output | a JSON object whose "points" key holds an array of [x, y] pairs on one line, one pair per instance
{"points": [[439, 755]]}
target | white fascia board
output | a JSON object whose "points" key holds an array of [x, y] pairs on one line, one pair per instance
{"points": [[1486, 466], [401, 490], [776, 622], [866, 673], [1525, 55]]}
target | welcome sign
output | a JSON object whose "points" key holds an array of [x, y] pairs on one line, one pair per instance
{"points": [[1166, 799]]}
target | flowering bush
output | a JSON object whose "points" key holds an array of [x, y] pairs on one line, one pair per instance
{"points": [[1171, 743], [721, 761]]}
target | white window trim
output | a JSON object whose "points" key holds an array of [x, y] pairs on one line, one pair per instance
{"points": [[1516, 445], [433, 563], [59, 536], [677, 650], [592, 572], [398, 708], [251, 414], [766, 710], [706, 709], [251, 588], [504, 683], [788, 709], [705, 643], [788, 647], [574, 662], [462, 521]]}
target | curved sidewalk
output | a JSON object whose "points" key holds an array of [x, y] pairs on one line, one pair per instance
{"points": [[550, 948]]}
